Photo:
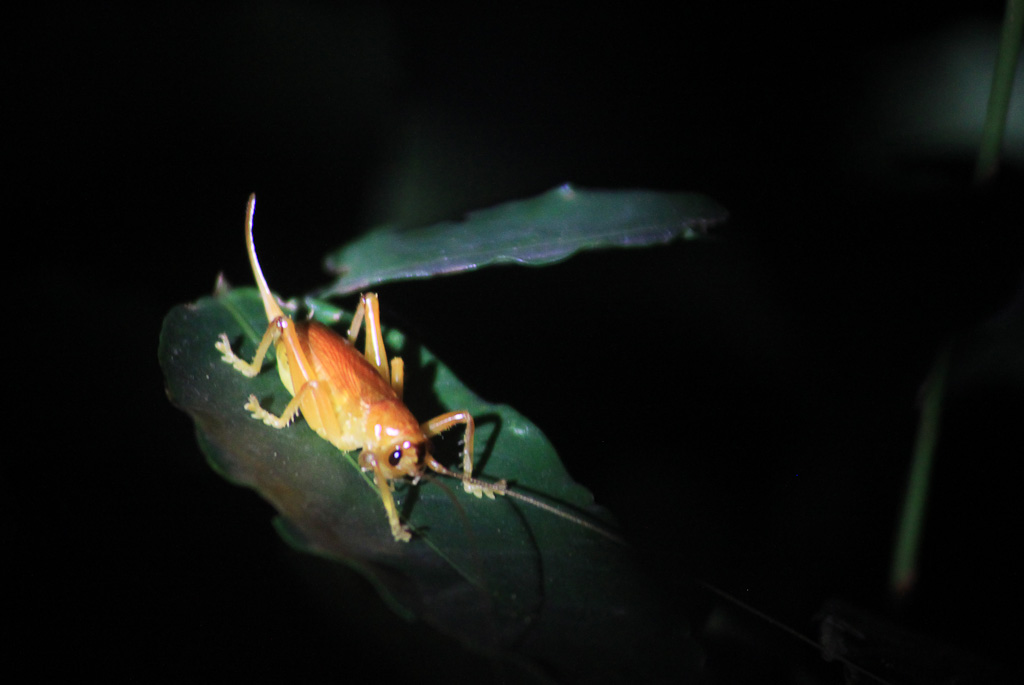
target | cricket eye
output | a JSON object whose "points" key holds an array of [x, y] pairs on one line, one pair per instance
{"points": [[395, 457]]}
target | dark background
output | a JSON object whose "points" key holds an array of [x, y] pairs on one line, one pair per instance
{"points": [[745, 406]]}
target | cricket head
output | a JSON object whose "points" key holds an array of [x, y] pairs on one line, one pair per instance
{"points": [[400, 459], [397, 446]]}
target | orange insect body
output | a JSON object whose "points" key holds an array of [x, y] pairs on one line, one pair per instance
{"points": [[351, 399]]}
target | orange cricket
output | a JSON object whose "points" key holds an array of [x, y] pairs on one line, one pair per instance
{"points": [[352, 400]]}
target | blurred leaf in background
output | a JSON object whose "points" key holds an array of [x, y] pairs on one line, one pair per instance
{"points": [[539, 231]]}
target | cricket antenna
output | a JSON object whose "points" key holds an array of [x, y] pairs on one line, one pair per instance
{"points": [[502, 488], [600, 530]]}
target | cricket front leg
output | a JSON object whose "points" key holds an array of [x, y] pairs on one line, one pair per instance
{"points": [[438, 425], [369, 462]]}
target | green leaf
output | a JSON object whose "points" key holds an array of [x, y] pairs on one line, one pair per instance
{"points": [[504, 576], [538, 231]]}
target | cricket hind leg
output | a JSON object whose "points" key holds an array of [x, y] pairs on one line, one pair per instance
{"points": [[438, 425]]}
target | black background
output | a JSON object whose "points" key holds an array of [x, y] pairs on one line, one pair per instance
{"points": [[745, 406]]}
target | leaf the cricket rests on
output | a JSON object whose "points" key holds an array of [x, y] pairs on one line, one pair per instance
{"points": [[501, 575]]}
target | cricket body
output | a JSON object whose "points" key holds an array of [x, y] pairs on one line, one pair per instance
{"points": [[351, 399]]}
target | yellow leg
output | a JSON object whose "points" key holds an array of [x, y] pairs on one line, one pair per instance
{"points": [[374, 351], [369, 462], [374, 341], [438, 425], [291, 410], [248, 369], [398, 376]]}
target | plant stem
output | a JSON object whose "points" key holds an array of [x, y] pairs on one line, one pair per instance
{"points": [[908, 540], [999, 95]]}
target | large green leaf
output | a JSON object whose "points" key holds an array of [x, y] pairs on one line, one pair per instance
{"points": [[538, 231], [504, 576]]}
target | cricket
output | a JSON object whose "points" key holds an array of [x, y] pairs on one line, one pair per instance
{"points": [[354, 401], [351, 399]]}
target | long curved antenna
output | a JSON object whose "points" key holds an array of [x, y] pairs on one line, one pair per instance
{"points": [[502, 488], [566, 515]]}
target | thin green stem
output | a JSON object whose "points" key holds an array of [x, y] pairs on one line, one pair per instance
{"points": [[999, 95], [908, 539]]}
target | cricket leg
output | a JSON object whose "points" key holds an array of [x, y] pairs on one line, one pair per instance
{"points": [[248, 369], [398, 376], [291, 410], [375, 353], [369, 463], [438, 425], [374, 341]]}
